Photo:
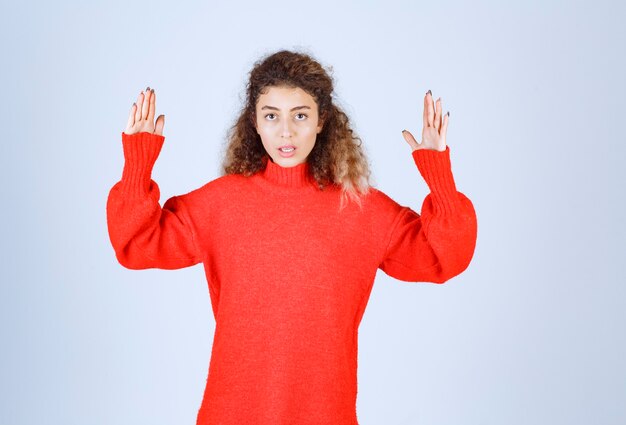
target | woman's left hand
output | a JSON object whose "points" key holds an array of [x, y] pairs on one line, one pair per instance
{"points": [[435, 127]]}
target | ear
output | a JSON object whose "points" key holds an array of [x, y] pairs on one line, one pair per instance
{"points": [[320, 125]]}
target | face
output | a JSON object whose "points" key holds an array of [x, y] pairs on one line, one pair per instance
{"points": [[287, 117]]}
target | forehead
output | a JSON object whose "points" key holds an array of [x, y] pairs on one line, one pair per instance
{"points": [[284, 97]]}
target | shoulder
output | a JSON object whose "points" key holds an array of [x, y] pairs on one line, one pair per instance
{"points": [[384, 211], [379, 201], [221, 187]]}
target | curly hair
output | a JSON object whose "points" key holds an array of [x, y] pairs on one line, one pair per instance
{"points": [[336, 158]]}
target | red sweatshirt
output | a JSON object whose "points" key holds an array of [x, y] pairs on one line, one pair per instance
{"points": [[289, 274]]}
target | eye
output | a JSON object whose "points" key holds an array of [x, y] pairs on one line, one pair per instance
{"points": [[268, 115], [304, 115]]}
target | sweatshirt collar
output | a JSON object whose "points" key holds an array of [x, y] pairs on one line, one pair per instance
{"points": [[296, 176]]}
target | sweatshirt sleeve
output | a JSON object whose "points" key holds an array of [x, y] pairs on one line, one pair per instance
{"points": [[144, 234], [439, 243]]}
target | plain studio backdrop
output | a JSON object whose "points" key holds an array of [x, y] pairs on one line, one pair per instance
{"points": [[533, 332]]}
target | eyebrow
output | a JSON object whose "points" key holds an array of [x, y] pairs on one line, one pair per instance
{"points": [[293, 109]]}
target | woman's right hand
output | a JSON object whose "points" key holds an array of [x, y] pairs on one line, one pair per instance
{"points": [[141, 117]]}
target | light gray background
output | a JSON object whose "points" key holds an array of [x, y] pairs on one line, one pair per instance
{"points": [[531, 333]]}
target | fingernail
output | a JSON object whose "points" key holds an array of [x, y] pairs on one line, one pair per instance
{"points": [[429, 92], [148, 88], [403, 131], [448, 113]]}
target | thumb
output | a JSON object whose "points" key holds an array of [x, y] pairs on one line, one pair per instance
{"points": [[158, 127], [410, 139]]}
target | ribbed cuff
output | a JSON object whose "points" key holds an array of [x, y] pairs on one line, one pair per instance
{"points": [[141, 151], [436, 169]]}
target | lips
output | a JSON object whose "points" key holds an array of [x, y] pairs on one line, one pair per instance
{"points": [[289, 153]]}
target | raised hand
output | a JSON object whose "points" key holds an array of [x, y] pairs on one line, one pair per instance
{"points": [[141, 117], [435, 127]]}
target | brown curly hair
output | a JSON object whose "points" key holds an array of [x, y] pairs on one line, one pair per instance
{"points": [[336, 158]]}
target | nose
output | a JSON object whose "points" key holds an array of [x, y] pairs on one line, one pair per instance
{"points": [[286, 129]]}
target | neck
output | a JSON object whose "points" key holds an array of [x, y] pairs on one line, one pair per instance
{"points": [[295, 176]]}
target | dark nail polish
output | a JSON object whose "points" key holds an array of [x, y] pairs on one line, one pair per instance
{"points": [[448, 113], [429, 92]]}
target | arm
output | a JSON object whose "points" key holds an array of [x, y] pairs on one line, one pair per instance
{"points": [[143, 234], [438, 244]]}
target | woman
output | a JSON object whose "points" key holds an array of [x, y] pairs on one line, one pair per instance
{"points": [[291, 237]]}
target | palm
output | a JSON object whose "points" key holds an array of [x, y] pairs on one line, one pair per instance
{"points": [[435, 127], [141, 117]]}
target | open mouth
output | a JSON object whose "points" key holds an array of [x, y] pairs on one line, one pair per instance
{"points": [[287, 151]]}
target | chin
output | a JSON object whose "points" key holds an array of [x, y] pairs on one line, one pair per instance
{"points": [[288, 162]]}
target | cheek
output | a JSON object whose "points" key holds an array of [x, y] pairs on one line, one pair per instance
{"points": [[268, 127], [310, 130], [263, 129]]}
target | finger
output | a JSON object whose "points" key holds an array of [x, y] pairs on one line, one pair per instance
{"points": [[426, 109], [131, 118], [139, 105], [160, 122], [431, 110], [152, 107], [444, 127], [146, 104], [410, 139], [438, 115]]}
